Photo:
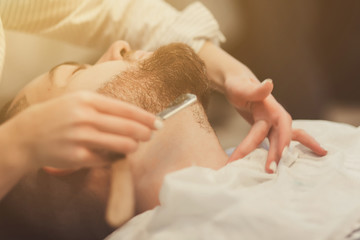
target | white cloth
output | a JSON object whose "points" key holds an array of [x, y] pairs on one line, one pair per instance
{"points": [[309, 197], [145, 24]]}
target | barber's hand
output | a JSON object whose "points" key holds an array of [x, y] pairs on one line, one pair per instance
{"points": [[72, 130], [254, 102], [268, 119]]}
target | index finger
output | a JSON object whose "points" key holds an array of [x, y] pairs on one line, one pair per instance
{"points": [[123, 109], [308, 141], [257, 134]]}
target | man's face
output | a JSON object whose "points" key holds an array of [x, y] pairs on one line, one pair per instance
{"points": [[69, 77], [149, 80]]}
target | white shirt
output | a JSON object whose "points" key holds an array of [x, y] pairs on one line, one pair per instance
{"points": [[145, 24]]}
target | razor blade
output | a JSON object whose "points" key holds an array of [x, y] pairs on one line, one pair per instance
{"points": [[180, 103]]}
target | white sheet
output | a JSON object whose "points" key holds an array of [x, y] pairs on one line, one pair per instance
{"points": [[308, 198]]}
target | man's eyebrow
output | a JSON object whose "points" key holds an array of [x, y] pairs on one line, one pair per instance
{"points": [[53, 70], [16, 107]]}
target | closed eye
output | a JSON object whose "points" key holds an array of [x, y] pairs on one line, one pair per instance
{"points": [[79, 66]]}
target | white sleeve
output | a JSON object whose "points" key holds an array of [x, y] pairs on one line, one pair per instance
{"points": [[145, 24]]}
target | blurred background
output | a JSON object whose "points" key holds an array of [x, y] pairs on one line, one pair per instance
{"points": [[311, 50]]}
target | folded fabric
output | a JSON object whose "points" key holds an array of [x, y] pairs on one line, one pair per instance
{"points": [[309, 197]]}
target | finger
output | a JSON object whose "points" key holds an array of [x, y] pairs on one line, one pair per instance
{"points": [[91, 158], [256, 92], [308, 141], [59, 171], [273, 155], [81, 157], [123, 127], [110, 142], [247, 116], [119, 108], [257, 134], [250, 91], [284, 134], [109, 156], [261, 91], [88, 157], [100, 160]]}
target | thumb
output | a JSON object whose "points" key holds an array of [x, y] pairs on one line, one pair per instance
{"points": [[261, 91]]}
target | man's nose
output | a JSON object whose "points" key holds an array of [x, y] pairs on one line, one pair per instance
{"points": [[115, 52]]}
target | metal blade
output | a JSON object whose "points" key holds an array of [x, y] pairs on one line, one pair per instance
{"points": [[180, 103]]}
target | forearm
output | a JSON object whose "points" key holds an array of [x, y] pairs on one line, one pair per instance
{"points": [[13, 164], [222, 66]]}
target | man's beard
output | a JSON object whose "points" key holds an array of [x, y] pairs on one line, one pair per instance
{"points": [[154, 83]]}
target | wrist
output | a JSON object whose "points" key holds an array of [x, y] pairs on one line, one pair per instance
{"points": [[14, 164], [13, 149], [209, 53], [223, 69]]}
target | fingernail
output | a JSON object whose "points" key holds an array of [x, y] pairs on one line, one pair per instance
{"points": [[273, 166], [266, 81], [284, 152], [158, 124], [325, 151]]}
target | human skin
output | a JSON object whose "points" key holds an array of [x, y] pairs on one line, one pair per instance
{"points": [[69, 78], [255, 103], [252, 99], [185, 140], [62, 132], [194, 144], [181, 143], [79, 199]]}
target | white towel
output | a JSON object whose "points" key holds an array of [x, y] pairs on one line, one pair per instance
{"points": [[312, 198]]}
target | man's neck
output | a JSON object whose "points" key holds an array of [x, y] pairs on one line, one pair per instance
{"points": [[181, 143]]}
